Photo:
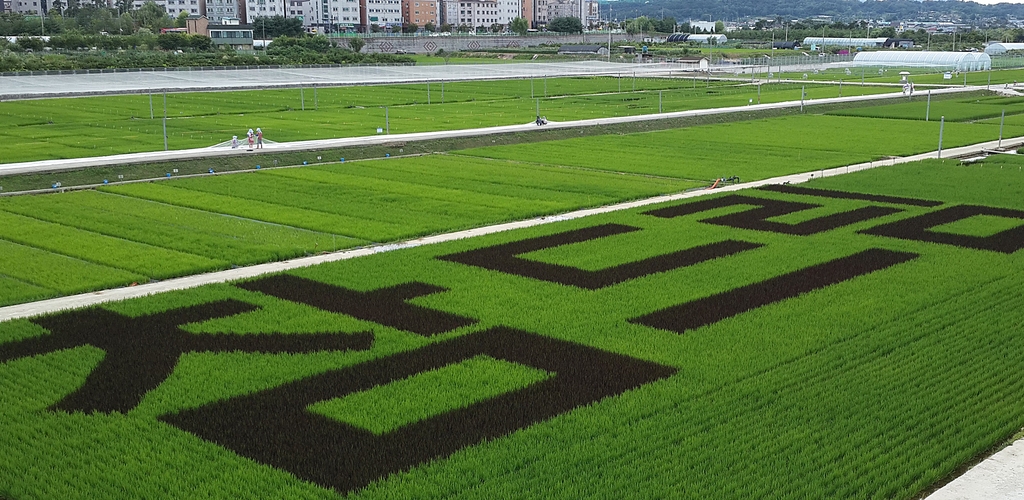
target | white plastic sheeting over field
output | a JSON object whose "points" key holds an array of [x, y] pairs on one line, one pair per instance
{"points": [[958, 61], [843, 42], [224, 79]]}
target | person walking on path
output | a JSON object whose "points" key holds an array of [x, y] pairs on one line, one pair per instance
{"points": [[259, 138], [250, 135]]}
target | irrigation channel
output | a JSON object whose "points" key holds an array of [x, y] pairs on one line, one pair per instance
{"points": [[184, 154]]}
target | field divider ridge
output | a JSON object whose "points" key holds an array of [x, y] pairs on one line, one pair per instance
{"points": [[115, 294], [377, 140]]}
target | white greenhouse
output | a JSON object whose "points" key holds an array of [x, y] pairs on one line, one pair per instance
{"points": [[719, 39], [953, 61], [1002, 48], [843, 42]]}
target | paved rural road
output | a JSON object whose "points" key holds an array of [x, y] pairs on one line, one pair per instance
{"points": [[182, 154], [41, 86]]}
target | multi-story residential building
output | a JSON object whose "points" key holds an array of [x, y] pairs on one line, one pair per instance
{"points": [[484, 13], [298, 9], [384, 13], [333, 15], [420, 12], [174, 8], [30, 7], [262, 8], [219, 10], [544, 11]]}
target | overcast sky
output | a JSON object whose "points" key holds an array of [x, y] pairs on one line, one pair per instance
{"points": [[991, 2]]}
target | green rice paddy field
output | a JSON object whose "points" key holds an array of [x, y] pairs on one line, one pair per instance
{"points": [[97, 126], [853, 337], [65, 243]]}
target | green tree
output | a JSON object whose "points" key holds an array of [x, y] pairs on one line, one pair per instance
{"points": [[519, 26], [356, 44], [410, 28], [446, 28], [565, 25], [430, 26], [179, 22], [664, 25], [277, 26], [639, 25], [153, 16], [719, 27], [126, 24]]}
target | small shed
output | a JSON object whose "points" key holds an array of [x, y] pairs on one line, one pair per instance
{"points": [[694, 63], [583, 50]]}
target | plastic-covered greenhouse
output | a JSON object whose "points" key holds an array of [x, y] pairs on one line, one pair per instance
{"points": [[719, 39], [959, 61], [843, 42], [1002, 48]]}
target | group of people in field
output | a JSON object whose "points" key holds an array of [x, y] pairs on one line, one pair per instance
{"points": [[254, 138]]}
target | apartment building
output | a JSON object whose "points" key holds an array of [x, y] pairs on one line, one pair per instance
{"points": [[384, 13], [28, 6], [174, 8], [261, 8], [545, 10], [421, 12], [483, 13], [219, 10]]}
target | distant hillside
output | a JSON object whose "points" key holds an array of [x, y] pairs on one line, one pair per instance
{"points": [[796, 9]]}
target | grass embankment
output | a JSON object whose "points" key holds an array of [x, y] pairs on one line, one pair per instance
{"points": [[874, 386], [98, 126]]}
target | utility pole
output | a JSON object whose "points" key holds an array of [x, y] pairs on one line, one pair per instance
{"points": [[1002, 118], [928, 108], [942, 125], [165, 121]]}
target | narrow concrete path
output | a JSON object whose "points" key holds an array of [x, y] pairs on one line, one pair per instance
{"points": [[999, 477], [183, 154]]}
